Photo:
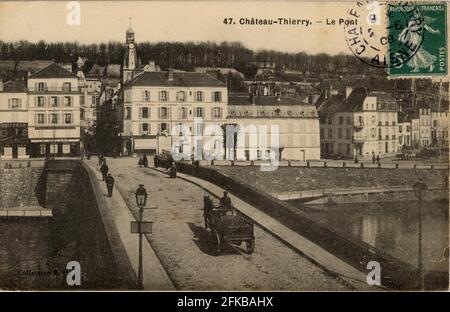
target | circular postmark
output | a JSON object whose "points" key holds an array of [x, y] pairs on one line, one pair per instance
{"points": [[384, 35]]}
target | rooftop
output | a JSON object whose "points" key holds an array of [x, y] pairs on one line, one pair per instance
{"points": [[53, 71], [15, 86], [182, 79], [240, 99]]}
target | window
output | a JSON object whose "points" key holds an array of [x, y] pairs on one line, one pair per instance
{"points": [[400, 129], [163, 96], [181, 96], [41, 86], [199, 96], [54, 118], [15, 103], [330, 120], [145, 112], [183, 113], [349, 121], [330, 133], [145, 128], [40, 101], [94, 100], [217, 112], [67, 86], [67, 101], [67, 118], [347, 133], [199, 112], [40, 119], [434, 123], [128, 113], [82, 114], [339, 133], [163, 127], [321, 132], [54, 101], [81, 99], [163, 112], [372, 132], [147, 96], [341, 120], [217, 96]]}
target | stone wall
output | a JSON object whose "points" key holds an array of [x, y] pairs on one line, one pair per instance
{"points": [[17, 187]]}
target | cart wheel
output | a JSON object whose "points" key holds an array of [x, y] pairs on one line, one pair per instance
{"points": [[216, 243], [250, 244]]}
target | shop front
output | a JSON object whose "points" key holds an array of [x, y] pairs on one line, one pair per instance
{"points": [[14, 142], [55, 148]]}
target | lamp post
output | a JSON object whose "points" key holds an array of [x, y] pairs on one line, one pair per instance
{"points": [[419, 188], [141, 200]]}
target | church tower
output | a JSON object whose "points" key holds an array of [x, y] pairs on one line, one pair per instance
{"points": [[130, 60]]}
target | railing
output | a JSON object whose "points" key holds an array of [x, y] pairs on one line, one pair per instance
{"points": [[54, 90], [358, 124], [357, 139]]}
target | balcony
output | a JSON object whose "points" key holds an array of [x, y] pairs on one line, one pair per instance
{"points": [[53, 90], [358, 139], [359, 124]]}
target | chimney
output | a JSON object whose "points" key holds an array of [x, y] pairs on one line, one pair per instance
{"points": [[1, 85], [170, 74], [348, 91]]}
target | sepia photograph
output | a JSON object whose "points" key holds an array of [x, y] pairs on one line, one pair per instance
{"points": [[224, 146]]}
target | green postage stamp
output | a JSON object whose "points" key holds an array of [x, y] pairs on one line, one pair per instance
{"points": [[418, 33]]}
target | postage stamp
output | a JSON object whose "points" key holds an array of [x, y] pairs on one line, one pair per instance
{"points": [[425, 31]]}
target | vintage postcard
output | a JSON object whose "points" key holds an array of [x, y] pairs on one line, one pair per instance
{"points": [[224, 146]]}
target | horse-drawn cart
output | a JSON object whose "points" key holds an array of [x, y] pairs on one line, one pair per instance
{"points": [[226, 225]]}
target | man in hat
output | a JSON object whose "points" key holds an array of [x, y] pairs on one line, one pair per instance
{"points": [[104, 169], [110, 184], [225, 201]]}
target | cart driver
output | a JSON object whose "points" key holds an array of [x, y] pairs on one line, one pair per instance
{"points": [[225, 201]]}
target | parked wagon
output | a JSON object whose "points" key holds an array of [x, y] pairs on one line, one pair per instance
{"points": [[226, 225]]}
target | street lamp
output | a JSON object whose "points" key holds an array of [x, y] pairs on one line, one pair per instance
{"points": [[141, 200], [419, 188]]}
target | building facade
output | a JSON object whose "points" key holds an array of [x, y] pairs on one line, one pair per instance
{"points": [[14, 142], [54, 112], [155, 102], [359, 124], [297, 123]]}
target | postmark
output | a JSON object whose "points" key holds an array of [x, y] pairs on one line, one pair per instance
{"points": [[431, 58], [370, 38]]}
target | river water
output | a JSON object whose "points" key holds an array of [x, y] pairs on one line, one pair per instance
{"points": [[391, 227]]}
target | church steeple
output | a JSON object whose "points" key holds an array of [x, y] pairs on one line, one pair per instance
{"points": [[130, 60]]}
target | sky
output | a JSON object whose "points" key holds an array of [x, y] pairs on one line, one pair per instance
{"points": [[103, 21]]}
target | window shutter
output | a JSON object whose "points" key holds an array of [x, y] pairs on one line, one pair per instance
{"points": [[35, 101], [220, 111], [212, 96], [212, 113], [159, 112], [9, 103], [169, 112], [140, 112]]}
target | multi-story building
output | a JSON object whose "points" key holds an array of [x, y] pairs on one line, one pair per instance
{"points": [[425, 127], [439, 128], [359, 123], [155, 102], [404, 135], [54, 112], [297, 123], [14, 142], [89, 99]]}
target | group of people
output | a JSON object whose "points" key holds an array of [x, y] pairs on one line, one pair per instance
{"points": [[143, 162], [106, 175]]}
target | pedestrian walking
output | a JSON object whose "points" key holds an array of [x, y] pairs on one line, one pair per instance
{"points": [[207, 206], [145, 161], [373, 159], [356, 159], [173, 171], [140, 162], [378, 159], [110, 184], [104, 170]]}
